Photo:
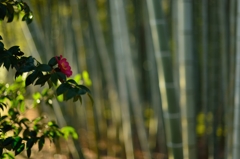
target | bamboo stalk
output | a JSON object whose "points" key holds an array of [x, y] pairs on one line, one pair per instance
{"points": [[186, 74], [166, 82], [236, 125], [157, 122], [232, 61], [120, 29], [122, 86]]}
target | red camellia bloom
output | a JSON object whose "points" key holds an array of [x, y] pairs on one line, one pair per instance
{"points": [[64, 66]]}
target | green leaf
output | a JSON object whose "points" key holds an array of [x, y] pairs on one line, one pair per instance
{"points": [[1, 47], [7, 64], [17, 142], [13, 61], [29, 153], [19, 149], [44, 68], [26, 68], [61, 76], [7, 128], [41, 81], [3, 117], [8, 141], [18, 74], [52, 124], [30, 143], [71, 93], [75, 98], [81, 92], [72, 81], [62, 88], [14, 49], [41, 143], [68, 130], [25, 121], [3, 11], [10, 13], [31, 78], [54, 78], [38, 119], [52, 62], [84, 88]]}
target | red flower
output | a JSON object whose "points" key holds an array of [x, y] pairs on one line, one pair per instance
{"points": [[64, 66]]}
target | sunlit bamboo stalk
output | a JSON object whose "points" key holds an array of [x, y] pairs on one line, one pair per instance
{"points": [[186, 77], [156, 125], [167, 88]]}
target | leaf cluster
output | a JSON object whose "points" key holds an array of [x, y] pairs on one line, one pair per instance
{"points": [[40, 74], [24, 133], [10, 8]]}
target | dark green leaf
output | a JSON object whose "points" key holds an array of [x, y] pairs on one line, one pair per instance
{"points": [[30, 143], [81, 92], [8, 141], [7, 64], [33, 134], [26, 68], [84, 88], [1, 151], [14, 61], [41, 143], [24, 121], [61, 76], [14, 49], [17, 142], [41, 81], [72, 81], [62, 88], [1, 47], [44, 68], [26, 133], [28, 153], [52, 62], [18, 74], [31, 78], [7, 128], [10, 13], [54, 78], [75, 98], [19, 149], [3, 117], [3, 11], [71, 93]]}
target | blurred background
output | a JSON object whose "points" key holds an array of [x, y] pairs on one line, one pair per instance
{"points": [[164, 75]]}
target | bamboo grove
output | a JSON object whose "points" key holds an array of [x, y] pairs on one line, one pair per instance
{"points": [[165, 74]]}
